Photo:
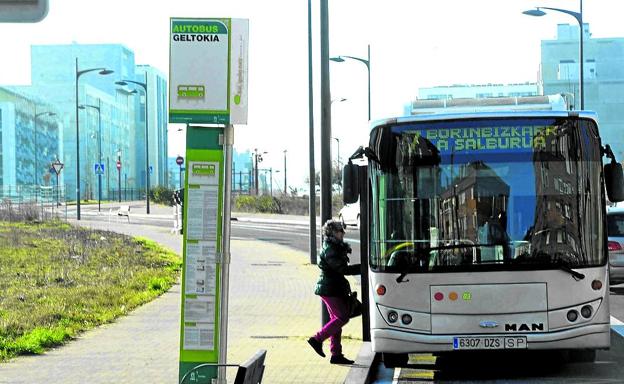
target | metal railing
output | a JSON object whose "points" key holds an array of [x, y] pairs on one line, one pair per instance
{"points": [[32, 202]]}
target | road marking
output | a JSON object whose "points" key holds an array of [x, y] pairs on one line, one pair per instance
{"points": [[397, 375], [281, 230]]}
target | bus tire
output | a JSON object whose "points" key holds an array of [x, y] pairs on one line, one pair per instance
{"points": [[582, 355], [394, 360]]}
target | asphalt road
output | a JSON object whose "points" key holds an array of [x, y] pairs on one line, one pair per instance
{"points": [[293, 235]]}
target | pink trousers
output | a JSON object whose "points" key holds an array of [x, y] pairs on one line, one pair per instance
{"points": [[338, 317]]}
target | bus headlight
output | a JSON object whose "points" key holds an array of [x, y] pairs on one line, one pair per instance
{"points": [[572, 316], [586, 311], [406, 319], [393, 317]]}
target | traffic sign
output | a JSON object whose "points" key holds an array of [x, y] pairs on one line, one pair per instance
{"points": [[57, 166], [98, 168], [179, 160], [118, 164], [52, 170], [151, 169]]}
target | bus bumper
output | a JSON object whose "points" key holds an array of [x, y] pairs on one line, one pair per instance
{"points": [[594, 336]]}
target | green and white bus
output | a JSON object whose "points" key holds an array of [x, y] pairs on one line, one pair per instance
{"points": [[488, 231]]}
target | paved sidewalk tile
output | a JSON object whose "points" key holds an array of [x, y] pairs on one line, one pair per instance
{"points": [[272, 306]]}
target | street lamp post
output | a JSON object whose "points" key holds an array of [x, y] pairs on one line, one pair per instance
{"points": [[311, 170], [147, 167], [101, 71], [98, 108], [337, 150], [579, 18], [119, 174], [340, 59], [35, 129], [285, 184]]}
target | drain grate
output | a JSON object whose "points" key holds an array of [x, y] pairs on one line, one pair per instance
{"points": [[265, 265], [269, 337]]}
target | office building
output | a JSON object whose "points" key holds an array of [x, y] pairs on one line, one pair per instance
{"points": [[603, 79], [31, 133]]}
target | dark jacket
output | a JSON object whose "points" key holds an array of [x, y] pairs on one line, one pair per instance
{"points": [[334, 265]]}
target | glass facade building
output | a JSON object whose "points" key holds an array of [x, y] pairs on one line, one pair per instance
{"points": [[157, 112], [112, 122], [31, 133], [603, 79]]}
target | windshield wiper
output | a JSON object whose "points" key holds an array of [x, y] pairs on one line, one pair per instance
{"points": [[565, 266], [544, 258], [401, 277]]}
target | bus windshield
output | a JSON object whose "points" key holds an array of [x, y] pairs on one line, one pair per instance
{"points": [[482, 194]]}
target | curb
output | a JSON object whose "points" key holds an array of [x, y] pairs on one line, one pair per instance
{"points": [[363, 370], [268, 221]]}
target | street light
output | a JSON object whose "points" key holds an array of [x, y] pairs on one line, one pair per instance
{"points": [[98, 108], [118, 164], [147, 167], [337, 149], [101, 71], [340, 59], [579, 18], [285, 184], [35, 128]]}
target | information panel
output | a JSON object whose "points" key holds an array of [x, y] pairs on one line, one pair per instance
{"points": [[203, 212]]}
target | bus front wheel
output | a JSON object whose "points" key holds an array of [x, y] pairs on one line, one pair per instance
{"points": [[394, 360]]}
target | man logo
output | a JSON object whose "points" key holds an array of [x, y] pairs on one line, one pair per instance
{"points": [[523, 327], [488, 324]]}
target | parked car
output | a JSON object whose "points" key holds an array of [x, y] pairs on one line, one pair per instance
{"points": [[350, 214], [615, 230]]}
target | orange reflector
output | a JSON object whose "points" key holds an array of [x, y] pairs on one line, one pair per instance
{"points": [[453, 296], [596, 285], [381, 290]]}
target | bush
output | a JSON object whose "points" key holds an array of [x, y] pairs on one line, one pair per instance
{"points": [[264, 204], [268, 204], [162, 195], [289, 205], [245, 203]]}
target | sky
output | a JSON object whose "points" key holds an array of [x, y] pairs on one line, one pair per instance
{"points": [[413, 44]]}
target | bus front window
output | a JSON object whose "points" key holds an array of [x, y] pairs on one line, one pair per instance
{"points": [[501, 194]]}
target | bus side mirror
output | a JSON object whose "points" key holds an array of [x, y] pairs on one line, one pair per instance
{"points": [[350, 192], [614, 181]]}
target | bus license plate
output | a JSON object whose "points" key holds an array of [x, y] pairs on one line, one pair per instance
{"points": [[519, 342]]}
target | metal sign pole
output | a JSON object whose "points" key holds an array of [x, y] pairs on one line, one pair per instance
{"points": [[225, 262]]}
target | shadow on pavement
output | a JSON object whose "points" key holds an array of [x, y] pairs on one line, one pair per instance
{"points": [[498, 365]]}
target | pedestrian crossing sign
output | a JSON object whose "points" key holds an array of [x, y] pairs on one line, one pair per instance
{"points": [[98, 168]]}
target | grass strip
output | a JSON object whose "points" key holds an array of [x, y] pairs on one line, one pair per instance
{"points": [[57, 280]]}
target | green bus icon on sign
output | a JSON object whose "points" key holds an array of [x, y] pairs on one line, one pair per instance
{"points": [[191, 91], [204, 169]]}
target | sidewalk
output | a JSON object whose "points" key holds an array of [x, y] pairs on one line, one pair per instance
{"points": [[272, 306]]}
